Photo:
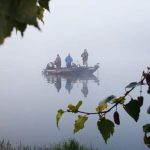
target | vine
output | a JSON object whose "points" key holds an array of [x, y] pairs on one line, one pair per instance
{"points": [[106, 126]]}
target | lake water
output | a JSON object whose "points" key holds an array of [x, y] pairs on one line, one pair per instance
{"points": [[30, 100], [116, 34]]}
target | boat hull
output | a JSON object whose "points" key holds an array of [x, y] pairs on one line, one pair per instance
{"points": [[72, 70]]}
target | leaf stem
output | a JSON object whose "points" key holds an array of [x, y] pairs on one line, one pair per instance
{"points": [[104, 112]]}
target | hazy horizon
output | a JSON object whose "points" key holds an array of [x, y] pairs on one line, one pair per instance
{"points": [[115, 33], [108, 29]]}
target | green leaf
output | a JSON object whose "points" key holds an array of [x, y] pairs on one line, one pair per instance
{"points": [[79, 123], [107, 99], [133, 109], [21, 11], [1, 40], [148, 110], [106, 128], [134, 84], [59, 115], [44, 4], [75, 108], [6, 27], [40, 13], [146, 128], [78, 105], [101, 107], [18, 14], [147, 140], [21, 27], [119, 100], [72, 108]]}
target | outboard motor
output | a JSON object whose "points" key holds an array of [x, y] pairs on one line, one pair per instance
{"points": [[97, 65], [50, 65], [74, 65]]}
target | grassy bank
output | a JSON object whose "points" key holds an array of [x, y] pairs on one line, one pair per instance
{"points": [[67, 145]]}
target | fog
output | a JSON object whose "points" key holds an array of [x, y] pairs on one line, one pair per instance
{"points": [[115, 33], [110, 30]]}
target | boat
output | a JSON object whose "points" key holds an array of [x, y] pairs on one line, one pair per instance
{"points": [[73, 70]]}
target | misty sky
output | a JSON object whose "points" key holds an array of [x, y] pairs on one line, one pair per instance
{"points": [[109, 29], [115, 33]]}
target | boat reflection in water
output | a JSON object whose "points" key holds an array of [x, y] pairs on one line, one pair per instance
{"points": [[70, 80]]}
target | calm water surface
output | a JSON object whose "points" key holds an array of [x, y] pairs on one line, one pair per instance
{"points": [[116, 34], [30, 100]]}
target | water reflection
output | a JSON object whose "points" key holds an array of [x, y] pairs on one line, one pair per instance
{"points": [[70, 80], [58, 83], [84, 89], [69, 85]]}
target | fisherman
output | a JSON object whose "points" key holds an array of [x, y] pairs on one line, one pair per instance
{"points": [[84, 56], [58, 61], [68, 61]]}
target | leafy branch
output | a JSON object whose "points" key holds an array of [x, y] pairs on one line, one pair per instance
{"points": [[18, 14], [106, 126]]}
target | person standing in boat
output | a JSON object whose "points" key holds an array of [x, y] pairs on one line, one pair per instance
{"points": [[84, 56], [68, 61], [58, 61]]}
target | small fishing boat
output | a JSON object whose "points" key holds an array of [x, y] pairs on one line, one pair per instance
{"points": [[73, 70]]}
